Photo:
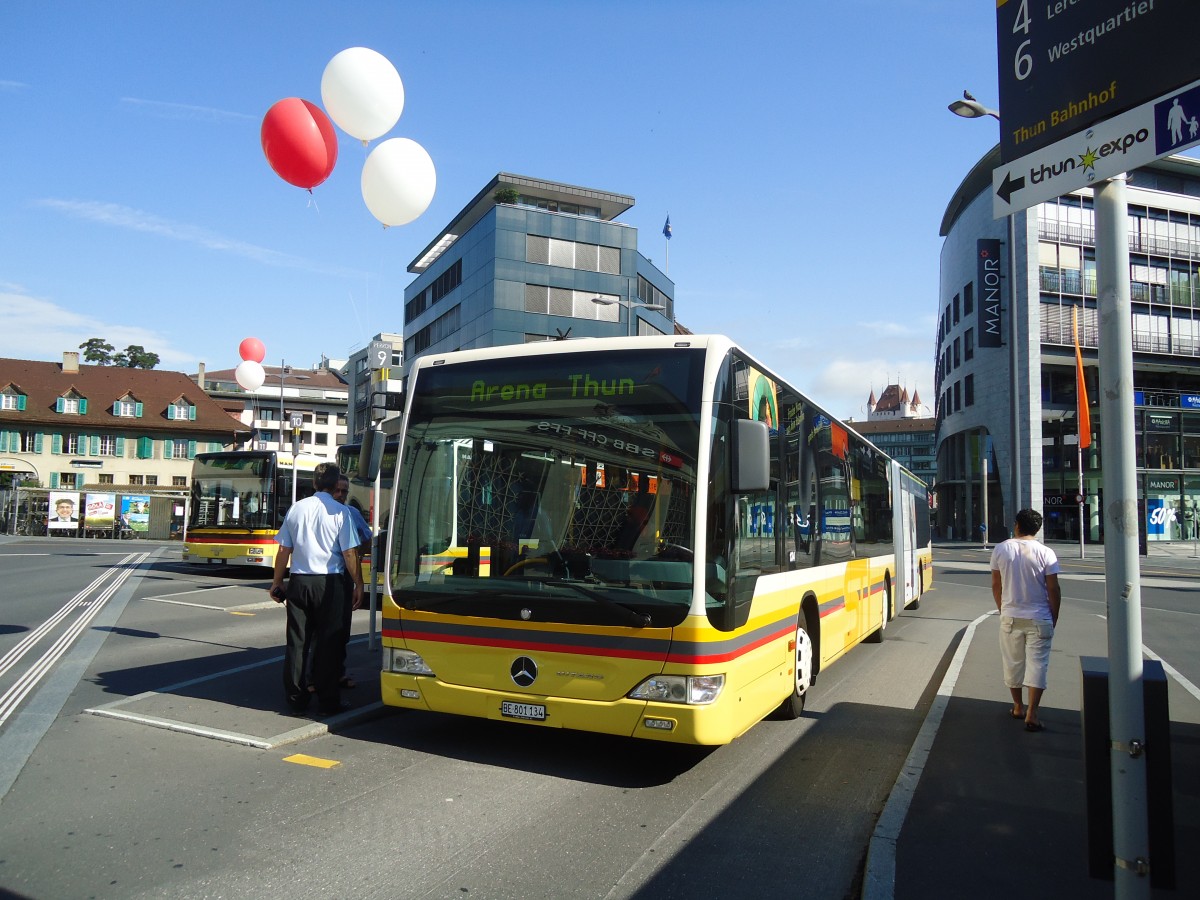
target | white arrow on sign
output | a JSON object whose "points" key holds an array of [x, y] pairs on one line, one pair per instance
{"points": [[1120, 144]]}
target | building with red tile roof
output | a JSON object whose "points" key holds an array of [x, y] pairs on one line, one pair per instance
{"points": [[66, 425]]}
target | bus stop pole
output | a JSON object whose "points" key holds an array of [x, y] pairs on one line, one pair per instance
{"points": [[1122, 588], [372, 634]]}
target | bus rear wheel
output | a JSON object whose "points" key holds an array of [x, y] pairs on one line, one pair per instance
{"points": [[876, 636], [793, 706]]}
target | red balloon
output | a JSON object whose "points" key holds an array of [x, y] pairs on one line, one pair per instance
{"points": [[252, 349], [299, 142]]}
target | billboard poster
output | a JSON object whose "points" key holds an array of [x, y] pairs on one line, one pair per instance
{"points": [[135, 513], [64, 512], [101, 511]]}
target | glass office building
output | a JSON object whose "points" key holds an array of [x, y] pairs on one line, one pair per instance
{"points": [[533, 260], [1025, 426]]}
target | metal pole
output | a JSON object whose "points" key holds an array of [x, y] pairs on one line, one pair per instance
{"points": [[984, 493], [1014, 405], [1082, 494], [1122, 576], [282, 366], [372, 636]]}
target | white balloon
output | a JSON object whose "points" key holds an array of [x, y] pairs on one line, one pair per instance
{"points": [[362, 93], [250, 374], [398, 181]]}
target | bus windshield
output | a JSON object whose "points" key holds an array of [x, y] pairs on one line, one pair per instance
{"points": [[233, 490], [530, 490]]}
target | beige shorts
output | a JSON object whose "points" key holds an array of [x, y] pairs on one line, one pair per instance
{"points": [[1025, 650]]}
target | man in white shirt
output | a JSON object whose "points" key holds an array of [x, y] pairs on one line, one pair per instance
{"points": [[318, 539], [1025, 588]]}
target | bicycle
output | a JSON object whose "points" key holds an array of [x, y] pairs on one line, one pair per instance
{"points": [[33, 526]]}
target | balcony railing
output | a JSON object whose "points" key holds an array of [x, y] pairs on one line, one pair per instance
{"points": [[1085, 235], [1168, 336]]}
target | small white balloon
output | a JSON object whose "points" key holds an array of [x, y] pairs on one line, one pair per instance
{"points": [[250, 374], [362, 93], [398, 181]]}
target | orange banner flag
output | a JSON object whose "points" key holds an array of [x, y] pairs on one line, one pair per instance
{"points": [[1084, 415]]}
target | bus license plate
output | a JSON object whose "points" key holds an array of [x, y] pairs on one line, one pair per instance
{"points": [[534, 711]]}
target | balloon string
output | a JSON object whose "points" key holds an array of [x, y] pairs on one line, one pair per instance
{"points": [[312, 202]]}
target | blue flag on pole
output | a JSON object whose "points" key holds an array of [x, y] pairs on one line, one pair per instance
{"points": [[667, 229]]}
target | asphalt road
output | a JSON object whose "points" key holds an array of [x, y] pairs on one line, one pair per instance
{"points": [[420, 805]]}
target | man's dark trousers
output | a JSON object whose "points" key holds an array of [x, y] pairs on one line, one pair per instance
{"points": [[315, 605]]}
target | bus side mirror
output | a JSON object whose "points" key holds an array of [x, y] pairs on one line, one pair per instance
{"points": [[370, 455], [752, 457]]}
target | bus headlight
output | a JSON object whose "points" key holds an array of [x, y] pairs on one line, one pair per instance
{"points": [[404, 662], [696, 690]]}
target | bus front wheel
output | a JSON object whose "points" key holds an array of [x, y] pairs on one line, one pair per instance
{"points": [[793, 706]]}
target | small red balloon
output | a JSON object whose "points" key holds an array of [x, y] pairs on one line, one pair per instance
{"points": [[299, 142], [252, 349]]}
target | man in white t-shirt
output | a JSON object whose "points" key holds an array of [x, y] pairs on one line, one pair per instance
{"points": [[1025, 588], [318, 539]]}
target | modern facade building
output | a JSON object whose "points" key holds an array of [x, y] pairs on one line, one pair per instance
{"points": [[365, 382], [533, 260], [317, 395], [1005, 359]]}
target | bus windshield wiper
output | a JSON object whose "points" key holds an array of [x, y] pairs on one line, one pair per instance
{"points": [[631, 615]]}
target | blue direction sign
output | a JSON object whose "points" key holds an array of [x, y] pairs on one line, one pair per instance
{"points": [[1065, 65]]}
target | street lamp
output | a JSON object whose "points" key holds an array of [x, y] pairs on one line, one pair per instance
{"points": [[283, 370], [970, 108], [631, 305]]}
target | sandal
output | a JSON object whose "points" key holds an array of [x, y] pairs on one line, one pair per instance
{"points": [[1034, 726], [347, 682]]}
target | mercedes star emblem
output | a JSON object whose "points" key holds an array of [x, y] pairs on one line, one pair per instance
{"points": [[523, 671]]}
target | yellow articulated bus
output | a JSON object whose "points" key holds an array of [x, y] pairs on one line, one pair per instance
{"points": [[239, 499], [645, 536]]}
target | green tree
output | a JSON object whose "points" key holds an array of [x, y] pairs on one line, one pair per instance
{"points": [[98, 351], [135, 356]]}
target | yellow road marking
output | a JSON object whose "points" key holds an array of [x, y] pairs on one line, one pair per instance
{"points": [[232, 613], [304, 759]]}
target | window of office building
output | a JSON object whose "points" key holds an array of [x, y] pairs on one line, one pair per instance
{"points": [[969, 343], [548, 251], [553, 301], [968, 299], [969, 390]]}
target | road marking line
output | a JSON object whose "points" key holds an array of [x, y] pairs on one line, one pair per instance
{"points": [[303, 759], [184, 603], [879, 877], [220, 587], [1168, 668]]}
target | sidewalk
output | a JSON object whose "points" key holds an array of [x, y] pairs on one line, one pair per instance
{"points": [[997, 812], [244, 705], [1186, 552]]}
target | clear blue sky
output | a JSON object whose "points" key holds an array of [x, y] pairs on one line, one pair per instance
{"points": [[802, 149]]}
